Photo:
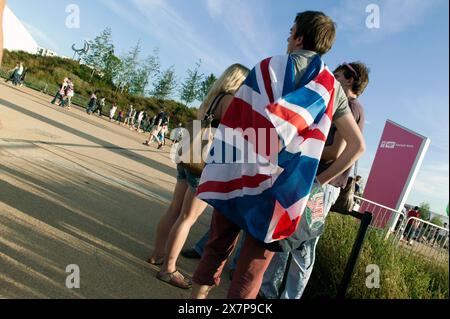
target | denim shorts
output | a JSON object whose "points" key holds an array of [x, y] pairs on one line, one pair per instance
{"points": [[185, 175]]}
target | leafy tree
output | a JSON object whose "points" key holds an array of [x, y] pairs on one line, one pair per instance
{"points": [[437, 221], [101, 49], [113, 65], [165, 84], [128, 70], [206, 86], [147, 71], [191, 86], [425, 211]]}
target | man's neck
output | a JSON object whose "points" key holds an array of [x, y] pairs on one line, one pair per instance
{"points": [[350, 94]]}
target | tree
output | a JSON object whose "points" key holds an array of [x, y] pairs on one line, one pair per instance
{"points": [[128, 70], [425, 211], [113, 64], [165, 84], [206, 86], [100, 52], [147, 70], [437, 221], [191, 86]]}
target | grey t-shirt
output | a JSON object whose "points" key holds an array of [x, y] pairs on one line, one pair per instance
{"points": [[302, 58]]}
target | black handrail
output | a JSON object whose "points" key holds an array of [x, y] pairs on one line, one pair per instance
{"points": [[366, 220]]}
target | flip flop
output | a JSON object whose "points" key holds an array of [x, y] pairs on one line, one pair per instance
{"points": [[175, 279]]}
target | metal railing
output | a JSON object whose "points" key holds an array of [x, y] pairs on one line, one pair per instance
{"points": [[384, 218], [424, 238]]}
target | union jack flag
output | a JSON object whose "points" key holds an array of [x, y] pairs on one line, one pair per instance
{"points": [[267, 197]]}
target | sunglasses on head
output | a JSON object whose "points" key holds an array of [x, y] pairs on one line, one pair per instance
{"points": [[351, 69]]}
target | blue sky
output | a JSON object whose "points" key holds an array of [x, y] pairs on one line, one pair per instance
{"points": [[408, 55]]}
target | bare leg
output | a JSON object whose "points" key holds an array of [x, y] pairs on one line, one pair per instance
{"points": [[200, 292], [192, 209], [167, 221]]}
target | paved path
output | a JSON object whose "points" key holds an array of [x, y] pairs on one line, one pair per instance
{"points": [[77, 189]]}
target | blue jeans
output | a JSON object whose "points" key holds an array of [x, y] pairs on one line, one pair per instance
{"points": [[200, 245], [299, 272], [301, 266]]}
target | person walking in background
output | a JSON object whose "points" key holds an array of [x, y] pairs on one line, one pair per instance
{"points": [[112, 111], [101, 105], [160, 119], [120, 117], [59, 96], [133, 119], [411, 227], [12, 73], [139, 120], [358, 189], [130, 113], [92, 103], [23, 77], [441, 236], [185, 208], [69, 93], [18, 74], [162, 134]]}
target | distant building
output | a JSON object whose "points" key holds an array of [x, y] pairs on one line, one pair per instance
{"points": [[16, 36], [45, 52]]}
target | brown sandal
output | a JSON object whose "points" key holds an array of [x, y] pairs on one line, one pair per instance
{"points": [[175, 279]]}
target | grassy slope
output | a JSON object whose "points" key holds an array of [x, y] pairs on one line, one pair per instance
{"points": [[51, 71]]}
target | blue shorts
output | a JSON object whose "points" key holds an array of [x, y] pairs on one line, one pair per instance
{"points": [[188, 177]]}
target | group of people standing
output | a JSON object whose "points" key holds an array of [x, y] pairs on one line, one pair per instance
{"points": [[258, 271], [65, 94]]}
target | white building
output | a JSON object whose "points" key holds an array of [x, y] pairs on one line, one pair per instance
{"points": [[16, 36], [45, 52]]}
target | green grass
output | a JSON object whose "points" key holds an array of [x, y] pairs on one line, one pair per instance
{"points": [[403, 276]]}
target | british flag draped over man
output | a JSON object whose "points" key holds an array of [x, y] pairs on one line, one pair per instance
{"points": [[267, 197]]}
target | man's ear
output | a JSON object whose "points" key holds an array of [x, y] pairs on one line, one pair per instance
{"points": [[299, 42]]}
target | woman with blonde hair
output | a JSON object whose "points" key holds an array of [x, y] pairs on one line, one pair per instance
{"points": [[185, 208]]}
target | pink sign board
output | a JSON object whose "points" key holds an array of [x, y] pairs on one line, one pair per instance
{"points": [[398, 159]]}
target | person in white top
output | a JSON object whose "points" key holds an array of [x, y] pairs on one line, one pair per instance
{"points": [[112, 111], [140, 118], [130, 113], [17, 75]]}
